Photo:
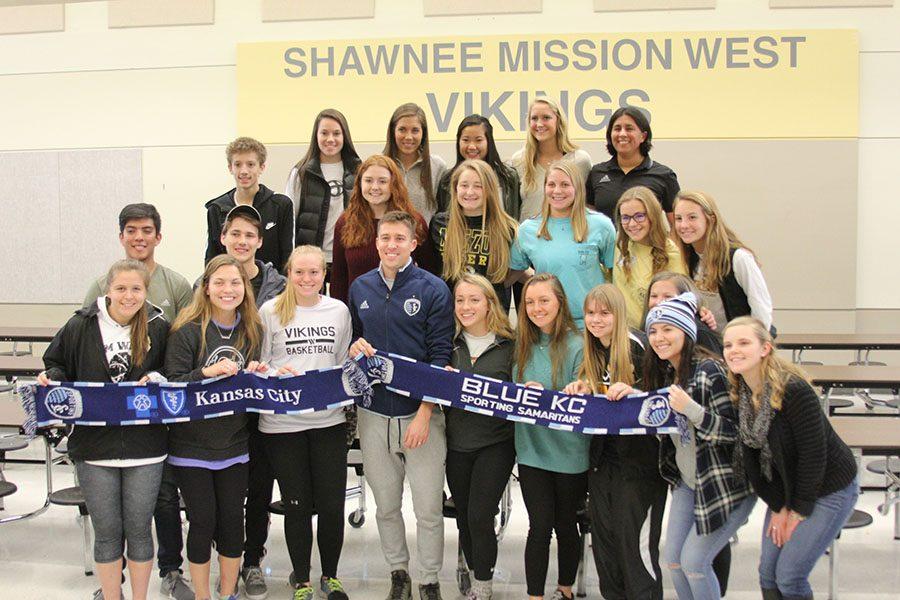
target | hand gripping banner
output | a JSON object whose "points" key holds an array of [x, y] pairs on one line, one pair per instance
{"points": [[101, 404]]}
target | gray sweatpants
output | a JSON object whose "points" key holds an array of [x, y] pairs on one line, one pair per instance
{"points": [[386, 463]]}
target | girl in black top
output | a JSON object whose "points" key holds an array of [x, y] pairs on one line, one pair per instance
{"points": [[476, 234], [475, 140], [217, 335], [120, 338], [480, 449], [792, 457], [627, 494]]}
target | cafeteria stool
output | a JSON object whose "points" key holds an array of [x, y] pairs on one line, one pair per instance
{"points": [[8, 443], [857, 520], [890, 468], [73, 496]]}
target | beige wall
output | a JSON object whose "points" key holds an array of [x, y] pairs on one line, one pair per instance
{"points": [[171, 92]]}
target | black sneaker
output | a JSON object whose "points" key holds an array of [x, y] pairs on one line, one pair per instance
{"points": [[401, 586], [430, 591], [331, 588]]}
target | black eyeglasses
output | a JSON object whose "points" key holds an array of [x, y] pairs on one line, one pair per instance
{"points": [[636, 217]]}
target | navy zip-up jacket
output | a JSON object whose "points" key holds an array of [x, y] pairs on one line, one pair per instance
{"points": [[414, 318]]}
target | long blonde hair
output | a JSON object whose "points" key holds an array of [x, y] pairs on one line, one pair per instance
{"points": [[579, 206], [497, 318], [775, 370], [140, 328], [718, 240], [565, 145], [529, 334], [286, 301], [249, 330], [499, 227], [619, 365], [658, 235]]}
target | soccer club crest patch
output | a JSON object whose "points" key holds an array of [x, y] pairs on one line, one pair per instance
{"points": [[64, 403], [412, 306], [379, 369], [173, 401], [655, 411]]}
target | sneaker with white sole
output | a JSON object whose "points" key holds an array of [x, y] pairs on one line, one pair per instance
{"points": [[255, 587], [174, 587]]}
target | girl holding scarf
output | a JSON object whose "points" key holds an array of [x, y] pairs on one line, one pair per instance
{"points": [[709, 502], [120, 338]]}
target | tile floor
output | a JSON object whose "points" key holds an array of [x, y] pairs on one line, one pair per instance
{"points": [[41, 559]]}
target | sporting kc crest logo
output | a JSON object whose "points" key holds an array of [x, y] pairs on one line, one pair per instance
{"points": [[655, 411], [141, 402], [412, 306], [379, 369], [173, 401], [64, 403]]}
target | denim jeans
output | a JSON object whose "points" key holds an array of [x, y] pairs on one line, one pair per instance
{"points": [[167, 518], [788, 567], [120, 501], [688, 555]]}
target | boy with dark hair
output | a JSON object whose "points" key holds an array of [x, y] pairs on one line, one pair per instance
{"points": [[140, 228], [403, 309], [246, 162]]}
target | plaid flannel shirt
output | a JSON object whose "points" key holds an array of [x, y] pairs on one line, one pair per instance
{"points": [[717, 491]]}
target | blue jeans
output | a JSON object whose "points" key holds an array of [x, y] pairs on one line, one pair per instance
{"points": [[788, 568], [167, 517], [688, 555], [120, 501]]}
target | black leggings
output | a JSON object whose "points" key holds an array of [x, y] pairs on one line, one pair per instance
{"points": [[215, 509], [311, 468], [477, 480], [552, 501], [259, 496]]}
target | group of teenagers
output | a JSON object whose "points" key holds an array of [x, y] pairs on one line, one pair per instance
{"points": [[620, 282]]}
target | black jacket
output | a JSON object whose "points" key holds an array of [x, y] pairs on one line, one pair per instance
{"points": [[509, 187], [212, 439], [315, 200], [634, 454], [469, 431], [277, 212], [809, 460], [76, 354]]}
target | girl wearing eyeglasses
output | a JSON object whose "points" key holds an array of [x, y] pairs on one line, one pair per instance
{"points": [[643, 248]]}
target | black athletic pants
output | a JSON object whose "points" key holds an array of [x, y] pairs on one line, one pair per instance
{"points": [[259, 497], [626, 508], [311, 468], [477, 480], [552, 501]]}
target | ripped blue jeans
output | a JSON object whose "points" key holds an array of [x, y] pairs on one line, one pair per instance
{"points": [[688, 555]]}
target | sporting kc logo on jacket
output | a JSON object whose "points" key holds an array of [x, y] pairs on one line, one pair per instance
{"points": [[412, 306]]}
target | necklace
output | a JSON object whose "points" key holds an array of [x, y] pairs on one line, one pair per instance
{"points": [[222, 335]]}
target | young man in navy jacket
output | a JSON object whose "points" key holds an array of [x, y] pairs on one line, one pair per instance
{"points": [[403, 309]]}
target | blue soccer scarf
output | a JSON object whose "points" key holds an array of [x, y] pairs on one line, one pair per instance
{"points": [[101, 404]]}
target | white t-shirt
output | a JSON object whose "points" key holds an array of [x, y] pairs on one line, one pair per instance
{"points": [[334, 175], [478, 343], [316, 338]]}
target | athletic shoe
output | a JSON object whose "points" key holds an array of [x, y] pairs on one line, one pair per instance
{"points": [[401, 586], [255, 587], [98, 595], [304, 593], [331, 588], [174, 587], [559, 595], [430, 591], [480, 590]]}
